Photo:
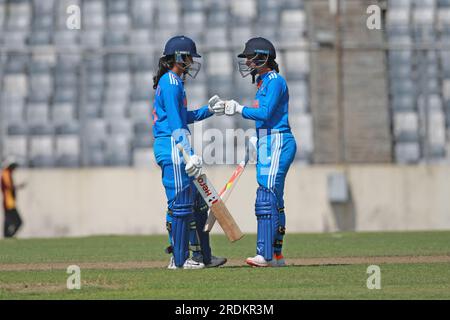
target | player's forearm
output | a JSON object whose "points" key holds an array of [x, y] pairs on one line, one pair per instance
{"points": [[199, 114], [258, 114]]}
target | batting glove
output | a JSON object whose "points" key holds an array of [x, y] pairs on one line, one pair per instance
{"points": [[216, 105], [231, 107], [194, 166]]}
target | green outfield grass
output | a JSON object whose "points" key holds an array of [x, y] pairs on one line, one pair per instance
{"points": [[399, 280]]}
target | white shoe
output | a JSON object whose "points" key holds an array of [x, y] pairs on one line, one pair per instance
{"points": [[191, 264], [172, 265], [258, 261]]}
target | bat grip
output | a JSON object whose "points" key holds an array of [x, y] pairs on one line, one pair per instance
{"points": [[185, 154]]}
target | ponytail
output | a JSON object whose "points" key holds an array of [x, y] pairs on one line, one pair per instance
{"points": [[165, 64], [272, 64]]}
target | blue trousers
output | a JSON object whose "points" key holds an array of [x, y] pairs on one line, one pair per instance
{"points": [[176, 181], [275, 154]]}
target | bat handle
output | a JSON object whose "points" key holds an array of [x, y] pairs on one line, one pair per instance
{"points": [[185, 154]]}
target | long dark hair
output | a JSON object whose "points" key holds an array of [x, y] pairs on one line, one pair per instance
{"points": [[272, 64], [165, 64]]}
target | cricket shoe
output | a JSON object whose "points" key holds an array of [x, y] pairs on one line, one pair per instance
{"points": [[278, 260], [188, 264], [258, 261], [215, 261], [172, 265], [192, 264]]}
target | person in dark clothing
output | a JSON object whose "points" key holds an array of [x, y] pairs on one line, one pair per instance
{"points": [[13, 220]]}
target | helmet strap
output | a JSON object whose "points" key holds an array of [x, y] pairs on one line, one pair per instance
{"points": [[254, 73]]}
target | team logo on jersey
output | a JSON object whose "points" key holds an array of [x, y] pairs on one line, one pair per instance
{"points": [[255, 103], [155, 116]]}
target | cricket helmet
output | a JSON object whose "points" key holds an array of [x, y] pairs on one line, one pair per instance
{"points": [[258, 45], [182, 47], [257, 53]]}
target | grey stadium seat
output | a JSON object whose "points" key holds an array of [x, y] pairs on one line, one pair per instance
{"points": [[116, 6], [140, 110], [37, 114], [194, 20], [39, 38], [68, 94], [406, 126], [117, 62], [115, 38], [407, 153], [404, 102], [41, 142], [142, 62], [122, 127], [142, 13], [114, 111], [140, 37], [92, 38], [90, 110], [68, 145], [118, 151], [43, 7], [63, 113], [69, 38], [95, 156], [15, 142], [13, 107]]}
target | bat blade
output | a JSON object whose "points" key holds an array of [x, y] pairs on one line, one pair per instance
{"points": [[226, 221], [229, 186], [218, 208], [215, 203], [225, 193]]}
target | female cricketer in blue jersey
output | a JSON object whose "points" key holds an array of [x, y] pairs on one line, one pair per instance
{"points": [[276, 147], [170, 120]]}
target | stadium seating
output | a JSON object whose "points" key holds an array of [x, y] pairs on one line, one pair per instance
{"points": [[97, 82], [419, 79], [83, 97]]}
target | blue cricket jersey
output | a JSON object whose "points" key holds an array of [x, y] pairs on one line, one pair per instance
{"points": [[170, 114], [271, 104]]}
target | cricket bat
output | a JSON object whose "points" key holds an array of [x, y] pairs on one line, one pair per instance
{"points": [[228, 188], [215, 203]]}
